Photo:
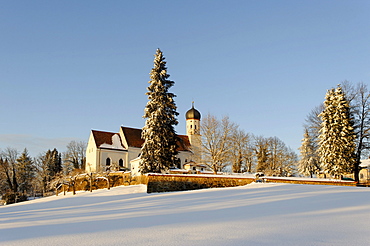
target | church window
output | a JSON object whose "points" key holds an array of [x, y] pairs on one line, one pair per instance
{"points": [[107, 162], [120, 162]]}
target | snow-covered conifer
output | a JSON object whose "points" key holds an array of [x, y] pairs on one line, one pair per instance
{"points": [[337, 138], [158, 152], [309, 162], [26, 171]]}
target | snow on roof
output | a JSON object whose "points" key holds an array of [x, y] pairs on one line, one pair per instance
{"points": [[365, 163], [115, 143], [105, 140]]}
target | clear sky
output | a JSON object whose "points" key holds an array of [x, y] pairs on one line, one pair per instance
{"points": [[67, 67]]}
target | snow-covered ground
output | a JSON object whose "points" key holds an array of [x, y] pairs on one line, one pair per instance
{"points": [[256, 214]]}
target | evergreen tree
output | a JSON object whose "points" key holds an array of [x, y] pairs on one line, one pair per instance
{"points": [[54, 162], [26, 171], [337, 138], [159, 152], [309, 162], [49, 165]]}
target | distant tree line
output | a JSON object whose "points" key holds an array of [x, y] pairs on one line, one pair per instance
{"points": [[226, 147], [337, 133], [22, 176]]}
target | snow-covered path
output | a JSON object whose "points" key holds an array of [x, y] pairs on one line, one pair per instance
{"points": [[256, 214]]}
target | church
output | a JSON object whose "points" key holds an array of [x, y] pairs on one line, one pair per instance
{"points": [[119, 151]]}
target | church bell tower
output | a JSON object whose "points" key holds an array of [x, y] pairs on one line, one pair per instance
{"points": [[193, 130]]}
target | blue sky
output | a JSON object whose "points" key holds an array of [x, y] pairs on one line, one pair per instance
{"points": [[67, 67]]}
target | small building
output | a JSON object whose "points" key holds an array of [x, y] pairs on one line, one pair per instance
{"points": [[197, 168], [364, 174]]}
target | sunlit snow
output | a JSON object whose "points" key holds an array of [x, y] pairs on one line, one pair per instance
{"points": [[256, 214]]}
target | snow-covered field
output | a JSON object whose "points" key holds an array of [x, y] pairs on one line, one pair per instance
{"points": [[256, 214]]}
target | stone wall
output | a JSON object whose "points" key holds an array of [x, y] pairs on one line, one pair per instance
{"points": [[308, 182], [181, 182], [178, 182]]}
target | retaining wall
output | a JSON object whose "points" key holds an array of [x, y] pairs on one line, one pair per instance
{"points": [[179, 182], [309, 182]]}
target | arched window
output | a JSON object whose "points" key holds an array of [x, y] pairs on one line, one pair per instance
{"points": [[120, 162], [107, 162]]}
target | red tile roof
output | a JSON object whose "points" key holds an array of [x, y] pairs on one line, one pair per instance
{"points": [[183, 143], [133, 138], [103, 137]]}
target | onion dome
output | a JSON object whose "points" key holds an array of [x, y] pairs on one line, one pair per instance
{"points": [[192, 113]]}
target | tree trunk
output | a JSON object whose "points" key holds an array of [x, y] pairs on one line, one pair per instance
{"points": [[15, 183]]}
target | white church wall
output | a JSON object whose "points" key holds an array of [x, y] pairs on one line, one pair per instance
{"points": [[135, 164], [132, 154], [91, 155], [185, 156], [114, 157]]}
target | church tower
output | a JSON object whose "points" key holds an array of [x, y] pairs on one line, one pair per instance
{"points": [[193, 130]]}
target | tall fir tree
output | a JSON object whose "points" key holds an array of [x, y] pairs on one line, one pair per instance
{"points": [[158, 152], [54, 163], [337, 138], [309, 162], [26, 171]]}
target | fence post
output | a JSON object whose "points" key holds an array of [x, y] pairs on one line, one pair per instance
{"points": [[90, 182]]}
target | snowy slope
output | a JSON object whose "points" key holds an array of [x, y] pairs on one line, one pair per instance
{"points": [[256, 214]]}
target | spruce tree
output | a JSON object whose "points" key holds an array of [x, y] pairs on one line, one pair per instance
{"points": [[54, 163], [26, 171], [159, 152], [309, 162], [337, 138]]}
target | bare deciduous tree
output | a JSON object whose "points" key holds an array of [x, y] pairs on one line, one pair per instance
{"points": [[262, 153], [9, 167], [216, 141], [313, 122], [274, 157], [75, 154], [241, 152], [361, 112]]}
